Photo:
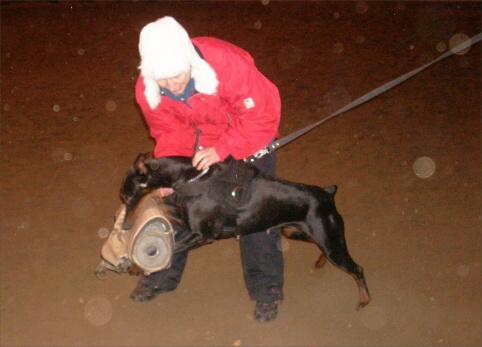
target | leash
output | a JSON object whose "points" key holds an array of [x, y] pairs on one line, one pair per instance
{"points": [[374, 93], [196, 142]]}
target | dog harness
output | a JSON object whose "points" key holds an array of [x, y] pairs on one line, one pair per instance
{"points": [[226, 187]]}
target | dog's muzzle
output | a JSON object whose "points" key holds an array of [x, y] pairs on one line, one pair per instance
{"points": [[148, 244]]}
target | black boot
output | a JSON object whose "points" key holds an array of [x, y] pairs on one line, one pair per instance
{"points": [[265, 312], [145, 291]]}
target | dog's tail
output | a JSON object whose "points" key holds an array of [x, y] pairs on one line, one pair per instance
{"points": [[331, 189]]}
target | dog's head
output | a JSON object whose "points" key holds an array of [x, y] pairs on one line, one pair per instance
{"points": [[137, 184], [146, 176]]}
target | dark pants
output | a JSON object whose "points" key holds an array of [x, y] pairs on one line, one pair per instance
{"points": [[261, 256]]}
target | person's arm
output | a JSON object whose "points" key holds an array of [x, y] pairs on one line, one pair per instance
{"points": [[255, 99]]}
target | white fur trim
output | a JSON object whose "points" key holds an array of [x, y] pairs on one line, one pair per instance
{"points": [[152, 92], [205, 78], [166, 51]]}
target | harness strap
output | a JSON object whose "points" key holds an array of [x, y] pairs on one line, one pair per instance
{"points": [[196, 142], [197, 132]]}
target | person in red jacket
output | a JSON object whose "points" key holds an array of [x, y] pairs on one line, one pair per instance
{"points": [[208, 92]]}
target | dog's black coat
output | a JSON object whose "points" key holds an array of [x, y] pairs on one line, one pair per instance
{"points": [[308, 212]]}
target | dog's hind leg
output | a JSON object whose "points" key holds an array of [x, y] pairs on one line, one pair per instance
{"points": [[333, 245], [294, 233], [339, 256]]}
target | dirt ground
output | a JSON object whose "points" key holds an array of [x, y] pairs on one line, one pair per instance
{"points": [[70, 128]]}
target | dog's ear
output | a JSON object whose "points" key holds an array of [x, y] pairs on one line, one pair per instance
{"points": [[140, 164], [331, 189]]}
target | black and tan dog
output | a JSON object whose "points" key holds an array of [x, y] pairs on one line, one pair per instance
{"points": [[233, 198]]}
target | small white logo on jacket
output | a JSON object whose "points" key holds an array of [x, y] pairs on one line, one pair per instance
{"points": [[248, 103]]}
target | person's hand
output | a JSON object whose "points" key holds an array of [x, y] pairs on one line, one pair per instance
{"points": [[163, 192], [204, 158]]}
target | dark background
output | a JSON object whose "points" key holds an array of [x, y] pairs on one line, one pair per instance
{"points": [[70, 128]]}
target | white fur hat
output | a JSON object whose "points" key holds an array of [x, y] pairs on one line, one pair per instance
{"points": [[166, 51]]}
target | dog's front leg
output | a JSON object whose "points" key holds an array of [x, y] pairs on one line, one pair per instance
{"points": [[197, 222], [189, 241]]}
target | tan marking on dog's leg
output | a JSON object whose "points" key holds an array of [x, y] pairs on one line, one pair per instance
{"points": [[321, 261], [364, 296]]}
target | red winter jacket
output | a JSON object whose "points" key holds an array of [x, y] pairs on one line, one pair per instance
{"points": [[240, 119]]}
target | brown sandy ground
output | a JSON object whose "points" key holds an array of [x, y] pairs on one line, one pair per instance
{"points": [[70, 129]]}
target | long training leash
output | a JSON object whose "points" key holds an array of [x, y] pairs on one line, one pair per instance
{"points": [[374, 93]]}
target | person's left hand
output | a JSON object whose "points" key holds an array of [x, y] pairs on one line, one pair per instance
{"points": [[204, 158]]}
